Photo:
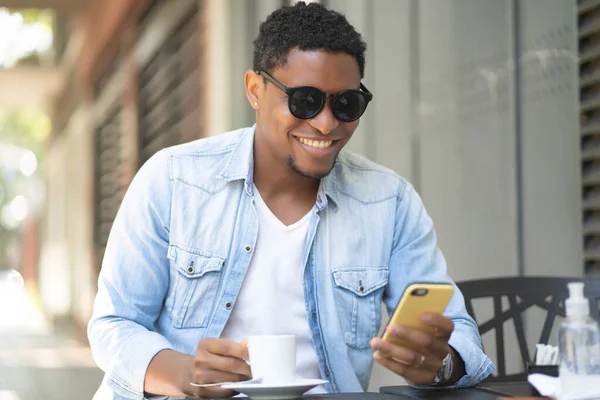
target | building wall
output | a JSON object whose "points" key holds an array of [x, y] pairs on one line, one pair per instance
{"points": [[106, 53]]}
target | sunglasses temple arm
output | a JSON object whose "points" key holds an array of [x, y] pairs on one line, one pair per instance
{"points": [[364, 88], [274, 81]]}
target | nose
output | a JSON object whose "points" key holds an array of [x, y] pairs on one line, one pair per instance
{"points": [[325, 121]]}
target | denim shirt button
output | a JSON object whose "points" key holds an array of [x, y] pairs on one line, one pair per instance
{"points": [[248, 248], [228, 305]]}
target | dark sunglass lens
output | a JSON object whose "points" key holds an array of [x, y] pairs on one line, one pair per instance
{"points": [[306, 102], [349, 106]]}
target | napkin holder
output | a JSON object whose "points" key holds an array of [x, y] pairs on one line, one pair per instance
{"points": [[550, 370]]}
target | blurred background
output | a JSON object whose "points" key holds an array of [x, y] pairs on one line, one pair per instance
{"points": [[490, 107]]}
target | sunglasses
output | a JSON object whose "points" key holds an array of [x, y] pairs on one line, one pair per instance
{"points": [[305, 102]]}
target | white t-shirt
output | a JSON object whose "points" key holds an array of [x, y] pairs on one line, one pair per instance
{"points": [[271, 299]]}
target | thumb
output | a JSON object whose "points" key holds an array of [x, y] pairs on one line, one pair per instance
{"points": [[245, 344]]}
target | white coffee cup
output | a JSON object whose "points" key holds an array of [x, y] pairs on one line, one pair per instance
{"points": [[273, 358]]}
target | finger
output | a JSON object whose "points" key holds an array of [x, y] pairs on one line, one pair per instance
{"points": [[209, 361], [443, 324], [421, 340], [229, 364], [225, 347], [208, 376], [406, 356], [419, 376], [245, 351], [414, 376], [213, 393]]}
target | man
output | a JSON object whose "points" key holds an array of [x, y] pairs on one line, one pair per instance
{"points": [[274, 229]]}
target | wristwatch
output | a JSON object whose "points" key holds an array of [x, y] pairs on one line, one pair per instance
{"points": [[443, 376]]}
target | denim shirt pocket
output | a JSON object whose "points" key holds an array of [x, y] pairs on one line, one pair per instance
{"points": [[358, 293], [196, 283]]}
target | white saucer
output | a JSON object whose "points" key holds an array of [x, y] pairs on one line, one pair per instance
{"points": [[266, 391]]}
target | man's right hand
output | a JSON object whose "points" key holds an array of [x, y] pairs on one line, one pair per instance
{"points": [[219, 360]]}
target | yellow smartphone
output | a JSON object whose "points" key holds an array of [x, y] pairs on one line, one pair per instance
{"points": [[419, 298]]}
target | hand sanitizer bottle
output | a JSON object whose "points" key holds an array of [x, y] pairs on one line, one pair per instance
{"points": [[579, 346]]}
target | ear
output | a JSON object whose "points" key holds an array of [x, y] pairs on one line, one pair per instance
{"points": [[254, 84]]}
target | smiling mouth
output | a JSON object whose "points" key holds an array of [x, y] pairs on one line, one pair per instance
{"points": [[317, 144]]}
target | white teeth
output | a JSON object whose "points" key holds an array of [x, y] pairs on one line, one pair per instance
{"points": [[319, 144]]}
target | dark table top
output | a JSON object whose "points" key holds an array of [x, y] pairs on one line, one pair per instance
{"points": [[510, 389], [351, 396], [491, 391]]}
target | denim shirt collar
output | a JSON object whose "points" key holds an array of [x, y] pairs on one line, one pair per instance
{"points": [[240, 165]]}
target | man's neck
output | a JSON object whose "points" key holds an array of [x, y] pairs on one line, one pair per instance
{"points": [[281, 181]]}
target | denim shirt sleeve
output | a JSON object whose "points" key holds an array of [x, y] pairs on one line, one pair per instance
{"points": [[417, 258], [133, 282]]}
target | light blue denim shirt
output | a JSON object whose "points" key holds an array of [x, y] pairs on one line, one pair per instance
{"points": [[183, 239]]}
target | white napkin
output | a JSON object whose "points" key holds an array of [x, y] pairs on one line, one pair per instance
{"points": [[549, 386], [546, 354]]}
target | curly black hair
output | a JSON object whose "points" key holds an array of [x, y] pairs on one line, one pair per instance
{"points": [[305, 27]]}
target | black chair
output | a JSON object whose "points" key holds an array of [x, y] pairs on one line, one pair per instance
{"points": [[522, 293]]}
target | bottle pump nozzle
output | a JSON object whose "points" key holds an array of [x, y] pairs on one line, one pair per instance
{"points": [[577, 306]]}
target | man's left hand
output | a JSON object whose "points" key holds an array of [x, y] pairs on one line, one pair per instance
{"points": [[418, 367]]}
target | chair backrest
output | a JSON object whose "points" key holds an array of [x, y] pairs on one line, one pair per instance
{"points": [[522, 293]]}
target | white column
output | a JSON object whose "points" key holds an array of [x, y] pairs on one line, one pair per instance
{"points": [[243, 33], [217, 65]]}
